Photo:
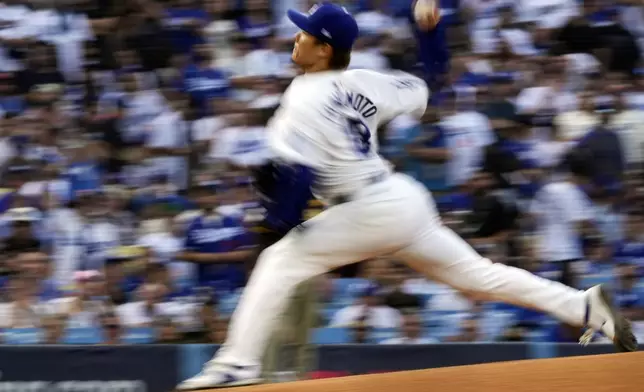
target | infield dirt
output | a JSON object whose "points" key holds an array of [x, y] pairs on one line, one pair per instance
{"points": [[599, 373]]}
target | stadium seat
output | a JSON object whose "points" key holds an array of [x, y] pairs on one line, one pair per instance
{"points": [[228, 303], [328, 312], [22, 336], [347, 289], [494, 323], [330, 336], [445, 323], [378, 335], [83, 336], [138, 336], [588, 281]]}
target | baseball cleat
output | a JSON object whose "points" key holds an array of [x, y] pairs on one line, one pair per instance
{"points": [[217, 375], [602, 316]]}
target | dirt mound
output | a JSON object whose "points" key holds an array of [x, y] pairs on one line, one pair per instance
{"points": [[599, 373]]}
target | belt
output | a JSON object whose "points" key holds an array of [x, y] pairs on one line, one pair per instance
{"points": [[340, 199]]}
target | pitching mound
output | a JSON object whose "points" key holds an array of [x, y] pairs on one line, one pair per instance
{"points": [[609, 373]]}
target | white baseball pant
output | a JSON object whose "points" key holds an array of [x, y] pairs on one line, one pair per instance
{"points": [[396, 216]]}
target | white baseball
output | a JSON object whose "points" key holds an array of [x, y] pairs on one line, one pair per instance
{"points": [[426, 14]]}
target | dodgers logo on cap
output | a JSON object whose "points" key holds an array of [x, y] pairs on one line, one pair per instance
{"points": [[329, 23]]}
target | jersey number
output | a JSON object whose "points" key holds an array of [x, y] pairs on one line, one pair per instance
{"points": [[360, 136]]}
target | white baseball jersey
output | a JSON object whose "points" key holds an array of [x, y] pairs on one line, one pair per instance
{"points": [[467, 134], [558, 206], [328, 121]]}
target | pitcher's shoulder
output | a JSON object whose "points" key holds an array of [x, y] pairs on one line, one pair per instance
{"points": [[377, 78], [309, 89]]}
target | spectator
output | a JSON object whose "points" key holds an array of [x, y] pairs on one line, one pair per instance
{"points": [[41, 78], [363, 55], [68, 31], [394, 294], [513, 163], [146, 308], [205, 319], [217, 245], [243, 147], [466, 134], [563, 214], [629, 299], [493, 216], [608, 159], [53, 328], [119, 285], [137, 106], [24, 309], [160, 242], [167, 331], [36, 267], [267, 60], [427, 154], [368, 307], [89, 302], [630, 250], [360, 332], [518, 332], [111, 327], [629, 125], [100, 236], [83, 171], [185, 22], [23, 234], [104, 129], [151, 304], [204, 83], [118, 213], [573, 124], [142, 29], [552, 151], [167, 146], [498, 106], [411, 332], [469, 331], [219, 330]]}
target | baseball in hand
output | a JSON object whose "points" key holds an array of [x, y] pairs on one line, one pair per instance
{"points": [[427, 14]]}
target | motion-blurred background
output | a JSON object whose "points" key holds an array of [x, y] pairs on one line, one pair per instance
{"points": [[126, 125]]}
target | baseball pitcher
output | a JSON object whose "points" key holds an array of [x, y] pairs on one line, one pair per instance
{"points": [[327, 123]]}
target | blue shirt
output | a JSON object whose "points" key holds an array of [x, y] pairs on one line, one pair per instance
{"points": [[525, 153], [254, 31], [84, 177], [432, 174], [12, 104], [184, 38], [631, 252], [218, 234], [204, 84], [607, 156], [171, 202]]}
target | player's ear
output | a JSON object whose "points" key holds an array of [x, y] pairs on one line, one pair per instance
{"points": [[326, 50]]}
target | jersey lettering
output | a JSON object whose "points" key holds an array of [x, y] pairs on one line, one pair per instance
{"points": [[356, 101], [352, 108], [361, 104], [360, 135], [202, 236]]}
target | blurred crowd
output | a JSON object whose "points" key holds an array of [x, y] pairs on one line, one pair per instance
{"points": [[129, 131]]}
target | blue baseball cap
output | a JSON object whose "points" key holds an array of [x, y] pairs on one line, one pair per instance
{"points": [[328, 22]]}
